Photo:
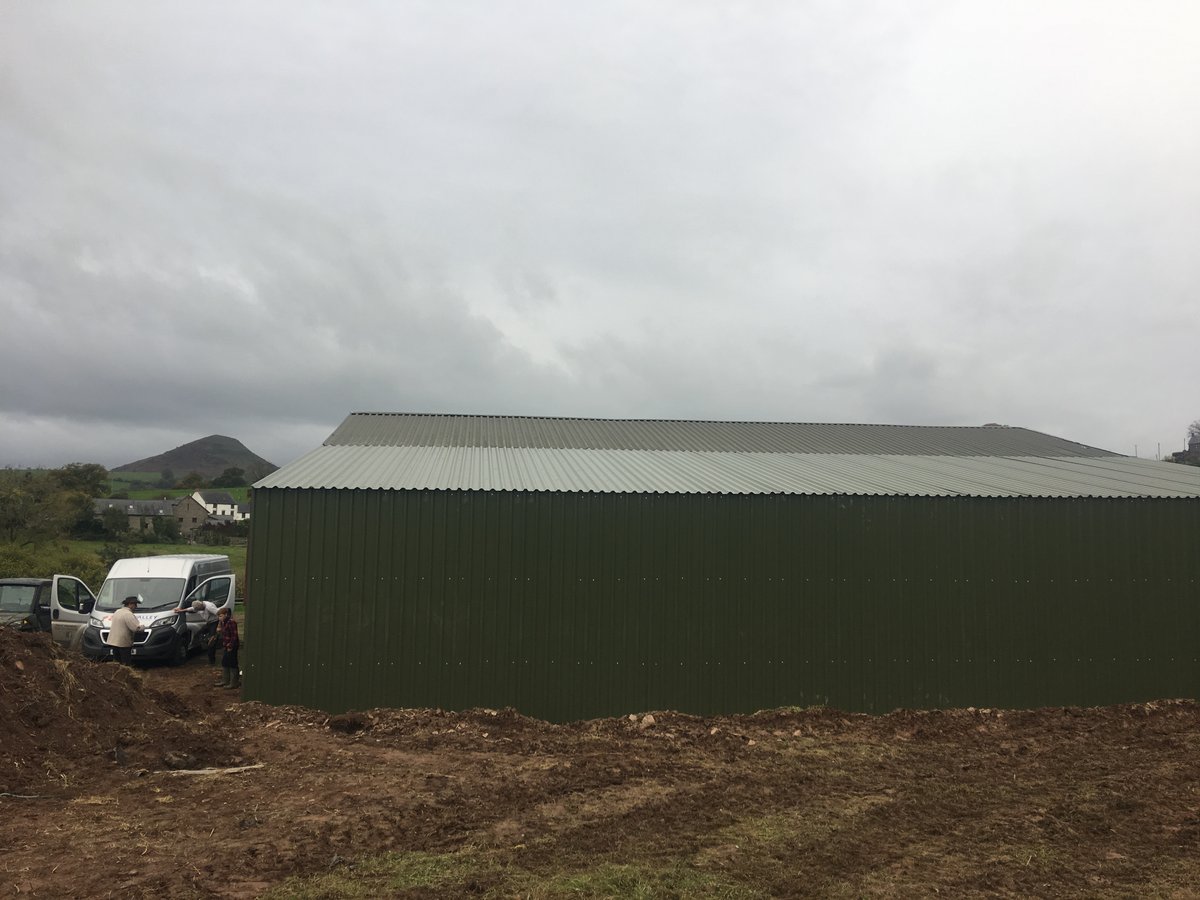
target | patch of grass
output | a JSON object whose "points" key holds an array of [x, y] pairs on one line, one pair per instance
{"points": [[76, 558], [1169, 877], [811, 747], [144, 486], [772, 833], [120, 480], [796, 830], [466, 873], [641, 882], [1011, 869], [378, 875]]}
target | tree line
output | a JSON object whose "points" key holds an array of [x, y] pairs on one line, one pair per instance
{"points": [[232, 477], [38, 505]]}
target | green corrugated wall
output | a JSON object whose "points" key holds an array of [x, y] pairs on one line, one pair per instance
{"points": [[570, 606]]}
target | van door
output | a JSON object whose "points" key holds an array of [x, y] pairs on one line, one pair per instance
{"points": [[71, 603], [218, 590]]}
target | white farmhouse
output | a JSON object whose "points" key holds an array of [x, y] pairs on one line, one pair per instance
{"points": [[221, 506]]}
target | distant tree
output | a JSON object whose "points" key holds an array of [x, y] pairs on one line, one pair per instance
{"points": [[1194, 431], [72, 489], [260, 471], [35, 508], [231, 477], [114, 520], [18, 500], [90, 479], [213, 536], [118, 549], [166, 529], [166, 479], [119, 495], [193, 481], [38, 506]]}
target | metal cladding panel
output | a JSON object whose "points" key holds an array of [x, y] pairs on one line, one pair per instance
{"points": [[420, 430], [665, 471], [570, 606]]}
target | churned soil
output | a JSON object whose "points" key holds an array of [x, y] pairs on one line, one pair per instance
{"points": [[100, 796]]}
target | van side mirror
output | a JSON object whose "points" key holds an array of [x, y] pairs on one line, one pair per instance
{"points": [[87, 604]]}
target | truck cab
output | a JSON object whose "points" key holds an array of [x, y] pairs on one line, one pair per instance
{"points": [[60, 605]]}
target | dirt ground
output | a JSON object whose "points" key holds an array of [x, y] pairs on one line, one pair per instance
{"points": [[97, 797]]}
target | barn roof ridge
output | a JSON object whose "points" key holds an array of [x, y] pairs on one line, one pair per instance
{"points": [[562, 432], [674, 421], [449, 452]]}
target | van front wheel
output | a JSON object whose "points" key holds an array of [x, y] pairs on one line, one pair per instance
{"points": [[179, 653]]}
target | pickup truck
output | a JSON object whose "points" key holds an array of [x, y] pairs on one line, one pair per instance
{"points": [[60, 605]]}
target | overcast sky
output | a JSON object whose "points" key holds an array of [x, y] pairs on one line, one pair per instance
{"points": [[253, 218]]}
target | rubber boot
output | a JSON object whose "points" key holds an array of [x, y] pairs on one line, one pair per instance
{"points": [[236, 683], [226, 678]]}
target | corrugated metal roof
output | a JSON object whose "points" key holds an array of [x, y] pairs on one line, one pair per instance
{"points": [[419, 430], [673, 471]]}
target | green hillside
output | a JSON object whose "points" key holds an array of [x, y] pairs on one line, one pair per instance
{"points": [[210, 456], [132, 486]]}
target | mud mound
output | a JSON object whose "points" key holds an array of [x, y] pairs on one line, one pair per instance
{"points": [[781, 803], [64, 718]]}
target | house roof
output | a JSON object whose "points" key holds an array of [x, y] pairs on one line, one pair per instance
{"points": [[136, 507], [426, 452], [215, 497]]}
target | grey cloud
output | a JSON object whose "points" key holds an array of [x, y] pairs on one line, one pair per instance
{"points": [[252, 219]]}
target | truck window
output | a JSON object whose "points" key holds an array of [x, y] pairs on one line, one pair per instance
{"points": [[17, 597], [67, 597], [215, 591]]}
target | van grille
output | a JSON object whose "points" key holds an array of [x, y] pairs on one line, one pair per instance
{"points": [[139, 638]]}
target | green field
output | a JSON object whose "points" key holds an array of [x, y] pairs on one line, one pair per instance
{"points": [[141, 486], [134, 481]]}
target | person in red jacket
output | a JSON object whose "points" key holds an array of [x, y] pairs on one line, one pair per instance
{"points": [[227, 634]]}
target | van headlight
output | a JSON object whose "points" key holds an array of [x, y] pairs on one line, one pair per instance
{"points": [[164, 620], [96, 622]]}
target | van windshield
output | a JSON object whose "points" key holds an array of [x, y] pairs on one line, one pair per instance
{"points": [[154, 593], [17, 597]]}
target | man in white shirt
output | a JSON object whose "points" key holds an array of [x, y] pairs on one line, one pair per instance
{"points": [[206, 612], [120, 633]]}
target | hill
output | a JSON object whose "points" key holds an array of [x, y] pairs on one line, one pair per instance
{"points": [[210, 456]]}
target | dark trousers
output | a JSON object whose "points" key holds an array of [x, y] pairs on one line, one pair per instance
{"points": [[208, 638], [229, 659], [123, 655]]}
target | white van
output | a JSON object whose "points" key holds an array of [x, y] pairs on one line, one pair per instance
{"points": [[161, 584]]}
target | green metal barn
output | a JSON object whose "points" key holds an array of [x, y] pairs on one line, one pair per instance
{"points": [[574, 568]]}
